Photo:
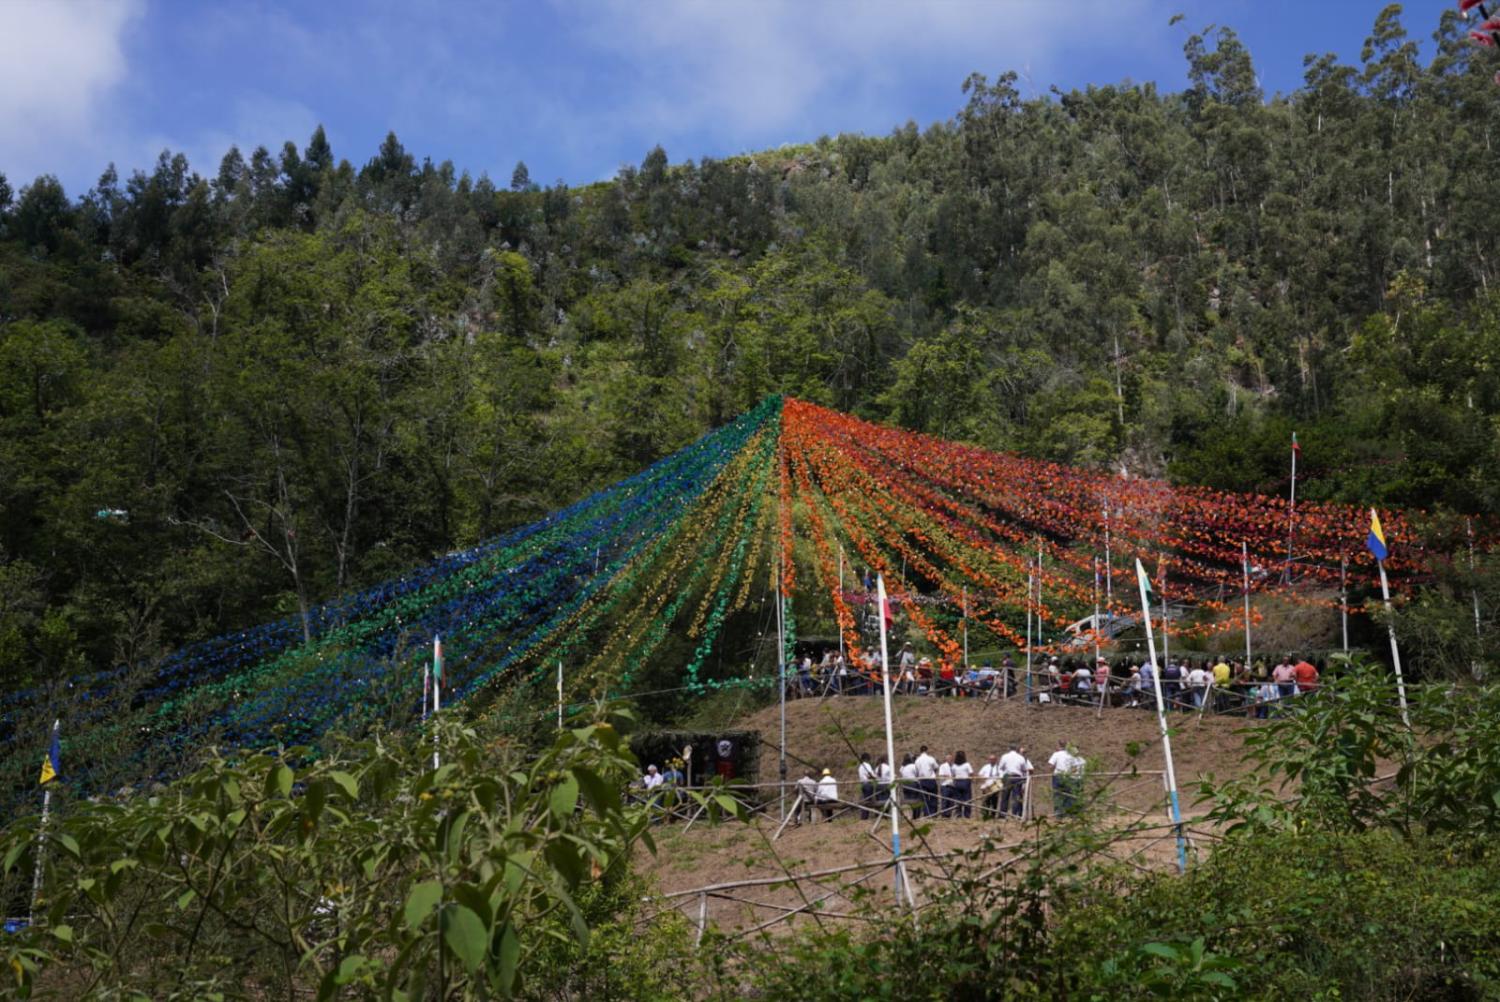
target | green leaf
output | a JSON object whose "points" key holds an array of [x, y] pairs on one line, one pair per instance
{"points": [[465, 936], [347, 783], [63, 932], [122, 864], [69, 843], [13, 854], [564, 797], [510, 958], [1161, 950], [279, 781], [420, 902], [186, 898]]}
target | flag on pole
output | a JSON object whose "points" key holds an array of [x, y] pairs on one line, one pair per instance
{"points": [[1295, 447], [1375, 541], [885, 610], [52, 761], [437, 660], [1145, 580]]}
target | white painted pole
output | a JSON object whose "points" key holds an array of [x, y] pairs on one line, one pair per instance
{"points": [[781, 674], [559, 695], [1161, 719], [966, 627], [1245, 564], [890, 737], [1344, 599], [1097, 623], [426, 689], [41, 837], [1161, 571], [1109, 568], [1030, 588], [437, 693], [1385, 591], [841, 598], [1291, 511], [1474, 668]]}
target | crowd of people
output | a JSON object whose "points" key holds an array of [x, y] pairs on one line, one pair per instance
{"points": [[1221, 684]]}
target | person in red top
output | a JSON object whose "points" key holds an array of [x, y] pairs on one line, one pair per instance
{"points": [[1307, 675]]}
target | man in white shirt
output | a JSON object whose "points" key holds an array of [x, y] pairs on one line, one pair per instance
{"points": [[828, 795], [989, 787], [1067, 779], [807, 796], [911, 794], [927, 768], [1198, 680], [963, 786], [946, 805], [866, 785], [1014, 768]]}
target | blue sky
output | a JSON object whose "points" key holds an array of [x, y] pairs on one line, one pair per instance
{"points": [[576, 88]]}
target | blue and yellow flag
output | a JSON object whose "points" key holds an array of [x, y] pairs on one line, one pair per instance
{"points": [[52, 761], [1376, 539]]}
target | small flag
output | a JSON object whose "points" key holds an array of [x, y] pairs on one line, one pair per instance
{"points": [[437, 660], [1145, 580], [885, 603], [1295, 447], [1376, 539], [52, 761]]}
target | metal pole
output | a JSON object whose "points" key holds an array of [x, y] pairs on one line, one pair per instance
{"points": [[1474, 668], [890, 737], [1161, 719], [1166, 652], [841, 597], [559, 696], [1097, 624], [781, 662], [1344, 599], [1291, 510], [1385, 591], [1109, 568], [1245, 562], [426, 689], [966, 627], [41, 841], [437, 693], [1039, 591], [1030, 588]]}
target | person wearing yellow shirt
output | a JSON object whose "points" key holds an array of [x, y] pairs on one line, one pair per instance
{"points": [[1222, 675]]}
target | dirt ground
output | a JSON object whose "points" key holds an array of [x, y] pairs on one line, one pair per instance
{"points": [[1124, 789]]}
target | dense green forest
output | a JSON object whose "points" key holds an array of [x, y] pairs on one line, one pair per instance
{"points": [[297, 374]]}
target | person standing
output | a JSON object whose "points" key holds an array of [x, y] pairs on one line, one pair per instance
{"points": [[866, 785], [927, 770], [1285, 677], [911, 788], [989, 787], [1305, 673], [963, 786], [946, 803], [884, 777], [1014, 768], [1067, 780], [1198, 680]]}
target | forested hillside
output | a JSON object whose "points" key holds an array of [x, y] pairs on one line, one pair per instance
{"points": [[228, 393]]}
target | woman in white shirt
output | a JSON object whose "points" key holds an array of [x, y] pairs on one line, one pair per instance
{"points": [[910, 792], [947, 805], [884, 776], [828, 795], [963, 786], [866, 785]]}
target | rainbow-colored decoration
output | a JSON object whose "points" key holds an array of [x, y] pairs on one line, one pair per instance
{"points": [[676, 550]]}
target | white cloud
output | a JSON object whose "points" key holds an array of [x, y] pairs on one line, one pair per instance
{"points": [[59, 64], [761, 67], [256, 120]]}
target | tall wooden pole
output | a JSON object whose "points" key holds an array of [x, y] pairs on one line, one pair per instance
{"points": [[781, 675], [1291, 511]]}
